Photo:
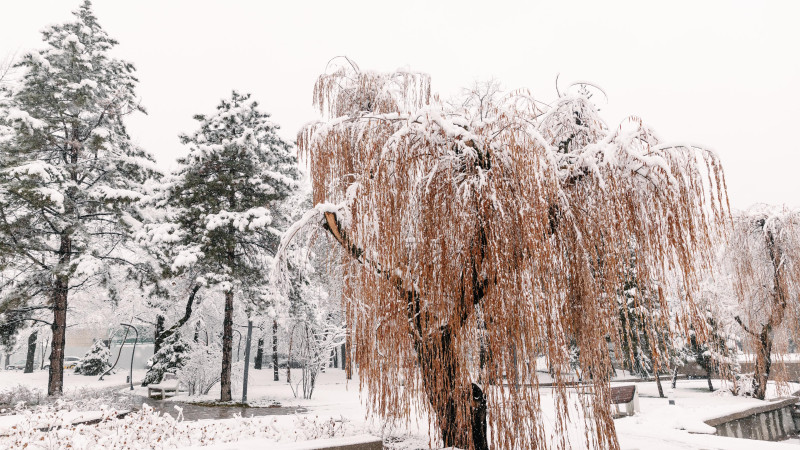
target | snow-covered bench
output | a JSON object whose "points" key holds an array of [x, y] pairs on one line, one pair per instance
{"points": [[627, 397], [169, 384]]}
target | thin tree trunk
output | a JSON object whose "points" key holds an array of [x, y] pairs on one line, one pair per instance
{"points": [[227, 349], [44, 352], [247, 359], [674, 377], [31, 356], [658, 384], [708, 378], [348, 368], [275, 350], [158, 332], [259, 354], [289, 358], [343, 351], [187, 314]]}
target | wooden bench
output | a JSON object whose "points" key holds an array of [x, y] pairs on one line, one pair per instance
{"points": [[627, 396], [169, 384]]}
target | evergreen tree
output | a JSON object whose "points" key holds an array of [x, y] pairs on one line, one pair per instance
{"points": [[172, 355], [70, 174], [224, 201], [96, 361]]}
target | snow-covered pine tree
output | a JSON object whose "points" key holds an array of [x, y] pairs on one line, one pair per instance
{"points": [[171, 357], [96, 361], [223, 201], [70, 173]]}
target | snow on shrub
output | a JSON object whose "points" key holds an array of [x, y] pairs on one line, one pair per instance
{"points": [[96, 361], [173, 355], [149, 429]]}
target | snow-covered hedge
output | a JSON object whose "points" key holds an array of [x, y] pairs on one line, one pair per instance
{"points": [[147, 429]]}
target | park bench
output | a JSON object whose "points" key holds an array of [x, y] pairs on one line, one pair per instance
{"points": [[169, 384], [626, 397]]}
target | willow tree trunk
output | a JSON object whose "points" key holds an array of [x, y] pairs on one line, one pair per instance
{"points": [[763, 363], [259, 354], [227, 349], [31, 356], [439, 366], [55, 381], [275, 351]]}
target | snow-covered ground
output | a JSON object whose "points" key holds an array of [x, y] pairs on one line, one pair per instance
{"points": [[336, 411]]}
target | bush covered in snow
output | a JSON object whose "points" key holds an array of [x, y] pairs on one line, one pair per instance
{"points": [[148, 429], [201, 371], [173, 355], [96, 361]]}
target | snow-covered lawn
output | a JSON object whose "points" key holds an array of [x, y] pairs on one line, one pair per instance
{"points": [[38, 379], [681, 426], [336, 411]]}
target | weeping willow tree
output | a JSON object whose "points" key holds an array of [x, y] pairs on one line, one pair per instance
{"points": [[477, 237], [763, 261]]}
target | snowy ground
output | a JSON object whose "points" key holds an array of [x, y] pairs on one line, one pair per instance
{"points": [[336, 411]]}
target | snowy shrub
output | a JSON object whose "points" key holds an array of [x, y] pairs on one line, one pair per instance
{"points": [[15, 398], [202, 369], [173, 354], [96, 361], [148, 429]]}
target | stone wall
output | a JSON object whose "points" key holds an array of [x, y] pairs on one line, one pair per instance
{"points": [[771, 422]]}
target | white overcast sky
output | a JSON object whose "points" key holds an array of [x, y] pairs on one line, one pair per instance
{"points": [[723, 74]]}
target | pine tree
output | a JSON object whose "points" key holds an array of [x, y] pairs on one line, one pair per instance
{"points": [[96, 361], [70, 173], [171, 357], [225, 201]]}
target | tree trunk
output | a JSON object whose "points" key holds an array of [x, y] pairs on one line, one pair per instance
{"points": [[227, 349], [674, 377], [55, 382], [31, 356], [289, 358], [275, 350], [658, 384], [439, 366], [158, 332], [343, 351], [44, 352], [259, 354], [763, 363], [247, 359], [348, 368], [708, 378]]}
